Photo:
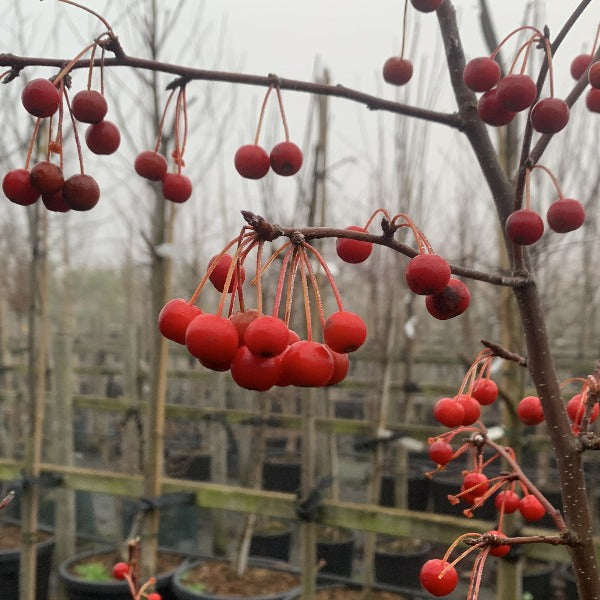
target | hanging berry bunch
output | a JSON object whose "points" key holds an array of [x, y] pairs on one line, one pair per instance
{"points": [[129, 572]]}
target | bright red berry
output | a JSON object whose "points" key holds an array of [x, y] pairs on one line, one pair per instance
{"points": [[471, 407], [252, 161], [481, 74], [55, 202], [344, 331], [434, 581], [576, 409], [81, 192], [120, 569], [485, 391], [241, 320], [174, 318], [524, 227], [267, 336], [41, 98], [531, 508], [46, 177], [17, 187], [549, 115], [103, 137], [353, 251], [516, 92], [440, 452], [285, 159], [397, 71], [176, 187], [426, 5], [450, 302], [448, 412], [594, 75], [253, 372], [592, 100], [151, 165], [153, 596], [579, 65], [491, 112], [89, 106], [507, 499], [501, 550], [307, 364], [565, 214], [475, 484], [218, 275], [530, 411], [427, 273], [341, 364], [212, 338]]}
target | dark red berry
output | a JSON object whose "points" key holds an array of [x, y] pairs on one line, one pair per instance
{"points": [[491, 112], [576, 408], [440, 452], [481, 74], [241, 320], [151, 165], [341, 364], [212, 338], [579, 65], [426, 5], [46, 177], [472, 409], [524, 227], [397, 71], [529, 411], [17, 187], [549, 115], [450, 302], [485, 391], [592, 100], [434, 582], [344, 331], [174, 318], [55, 202], [81, 192], [507, 500], [427, 273], [41, 98], [103, 137], [353, 251], [285, 158], [176, 187], [565, 214], [218, 275], [516, 92], [594, 75], [89, 106], [120, 569], [252, 161]]}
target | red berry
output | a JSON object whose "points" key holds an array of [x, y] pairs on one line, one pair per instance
{"points": [[46, 177], [448, 412], [120, 569], [426, 5], [89, 106], [502, 550], [576, 409], [476, 485], [353, 251], [40, 97], [253, 372], [267, 336], [450, 302], [153, 596], [81, 192], [341, 364], [151, 165], [211, 338], [481, 74], [549, 115], [344, 331], [397, 71], [174, 318], [176, 187], [509, 499], [55, 202], [524, 227], [307, 364], [427, 273], [594, 75], [218, 275], [565, 214], [516, 92], [592, 100], [103, 137], [215, 365], [531, 508], [492, 112], [17, 187], [241, 320], [471, 407], [440, 452], [285, 159], [579, 65], [485, 391], [251, 161], [529, 411], [434, 582]]}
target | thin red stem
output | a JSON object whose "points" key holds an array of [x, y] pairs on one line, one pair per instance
{"points": [[550, 174], [261, 115], [286, 130], [75, 132], [336, 293], [36, 128], [523, 28], [404, 22], [162, 120], [305, 294]]}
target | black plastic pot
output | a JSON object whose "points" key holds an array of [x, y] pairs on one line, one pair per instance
{"points": [[418, 491], [400, 568], [272, 544], [9, 570], [537, 580], [337, 554], [570, 584], [185, 465], [280, 476]]}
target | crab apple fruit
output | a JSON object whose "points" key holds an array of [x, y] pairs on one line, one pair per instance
{"points": [[485, 391], [215, 365], [241, 320], [344, 331], [433, 581], [285, 159], [508, 500], [475, 484], [212, 338], [55, 202], [576, 408], [471, 407], [501, 550], [353, 251], [450, 302], [120, 570], [531, 508], [254, 372], [46, 177], [426, 5], [565, 214], [516, 92], [218, 275], [427, 273], [266, 336], [17, 187], [174, 318], [448, 412], [579, 65], [440, 452], [89, 106], [594, 75], [529, 411], [153, 596], [592, 100], [252, 161], [41, 98], [81, 192], [397, 70], [341, 364], [176, 187], [491, 112], [103, 137], [307, 364], [524, 227], [549, 115], [151, 165], [481, 74]]}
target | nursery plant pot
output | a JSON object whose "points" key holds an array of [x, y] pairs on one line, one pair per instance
{"points": [[212, 579], [188, 465], [350, 591], [336, 547], [570, 584], [272, 540], [418, 491], [10, 559], [537, 579], [281, 474], [398, 561]]}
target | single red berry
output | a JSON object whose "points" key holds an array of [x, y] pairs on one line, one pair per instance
{"points": [[153, 596], [103, 137], [476, 485], [307, 364], [426, 5], [55, 202], [353, 251], [531, 508], [594, 75], [440, 452], [344, 331], [176, 187], [267, 336], [241, 320], [41, 98], [151, 165], [434, 581], [565, 214], [397, 71], [592, 100], [341, 364], [529, 411], [450, 302], [524, 227], [471, 407], [17, 187], [550, 115], [215, 365], [485, 391], [120, 569], [516, 92], [481, 74], [580, 64], [491, 112], [576, 409], [501, 550], [448, 412], [218, 275], [46, 177], [251, 161], [427, 273], [253, 372], [285, 158], [174, 318], [89, 106], [81, 192], [507, 499], [212, 338]]}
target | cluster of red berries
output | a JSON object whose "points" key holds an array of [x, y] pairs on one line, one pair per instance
{"points": [[122, 571], [579, 65]]}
